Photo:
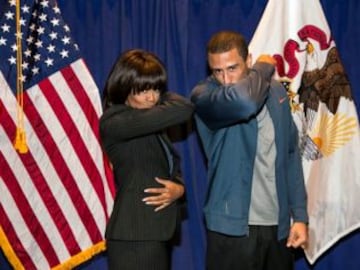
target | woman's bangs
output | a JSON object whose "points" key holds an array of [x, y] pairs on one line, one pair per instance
{"points": [[151, 81]]}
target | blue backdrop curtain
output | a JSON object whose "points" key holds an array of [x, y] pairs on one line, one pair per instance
{"points": [[177, 31]]}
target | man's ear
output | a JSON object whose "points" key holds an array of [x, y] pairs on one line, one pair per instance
{"points": [[249, 60]]}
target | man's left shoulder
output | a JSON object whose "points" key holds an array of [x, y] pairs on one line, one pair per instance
{"points": [[278, 86], [278, 91]]}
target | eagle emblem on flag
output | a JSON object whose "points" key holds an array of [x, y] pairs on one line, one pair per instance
{"points": [[323, 135]]}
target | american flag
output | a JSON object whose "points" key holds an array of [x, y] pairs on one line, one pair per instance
{"points": [[56, 198]]}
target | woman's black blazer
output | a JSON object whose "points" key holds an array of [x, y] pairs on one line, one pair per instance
{"points": [[135, 142]]}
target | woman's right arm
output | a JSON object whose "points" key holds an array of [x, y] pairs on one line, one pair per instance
{"points": [[122, 122]]}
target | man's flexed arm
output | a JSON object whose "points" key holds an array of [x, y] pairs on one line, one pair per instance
{"points": [[221, 105]]}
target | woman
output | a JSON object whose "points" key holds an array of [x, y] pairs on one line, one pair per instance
{"points": [[138, 109]]}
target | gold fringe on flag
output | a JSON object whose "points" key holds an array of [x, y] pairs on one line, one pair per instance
{"points": [[81, 257], [71, 263], [9, 251], [20, 136]]}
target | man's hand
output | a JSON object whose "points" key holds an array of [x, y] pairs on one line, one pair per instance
{"points": [[266, 58], [298, 235], [166, 195]]}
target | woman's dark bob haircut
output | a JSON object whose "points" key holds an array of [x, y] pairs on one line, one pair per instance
{"points": [[135, 71]]}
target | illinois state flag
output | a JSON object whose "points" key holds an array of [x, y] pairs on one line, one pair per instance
{"points": [[56, 197], [297, 34]]}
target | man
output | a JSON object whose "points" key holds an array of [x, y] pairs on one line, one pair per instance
{"points": [[255, 209]]}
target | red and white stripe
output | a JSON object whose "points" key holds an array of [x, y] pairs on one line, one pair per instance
{"points": [[56, 198]]}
